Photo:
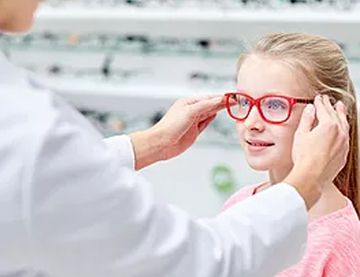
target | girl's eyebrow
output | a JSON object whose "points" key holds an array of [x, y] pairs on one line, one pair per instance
{"points": [[273, 92]]}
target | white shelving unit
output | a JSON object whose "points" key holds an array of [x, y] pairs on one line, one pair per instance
{"points": [[185, 22], [249, 24], [112, 97]]}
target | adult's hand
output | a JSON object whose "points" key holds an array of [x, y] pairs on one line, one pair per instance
{"points": [[319, 152], [176, 131]]}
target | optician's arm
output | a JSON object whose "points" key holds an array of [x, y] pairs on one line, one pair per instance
{"points": [[90, 216], [69, 207]]}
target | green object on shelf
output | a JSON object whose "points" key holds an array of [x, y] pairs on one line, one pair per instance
{"points": [[223, 179]]}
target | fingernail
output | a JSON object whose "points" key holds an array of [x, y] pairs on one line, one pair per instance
{"points": [[318, 97], [309, 109], [342, 106]]}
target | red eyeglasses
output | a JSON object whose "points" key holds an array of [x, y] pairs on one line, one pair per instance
{"points": [[272, 108]]}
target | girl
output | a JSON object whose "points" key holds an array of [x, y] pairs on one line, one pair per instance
{"points": [[276, 80]]}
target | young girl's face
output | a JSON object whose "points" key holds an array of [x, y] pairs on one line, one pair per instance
{"points": [[268, 146]]}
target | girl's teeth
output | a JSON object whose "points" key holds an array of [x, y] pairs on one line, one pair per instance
{"points": [[260, 144]]}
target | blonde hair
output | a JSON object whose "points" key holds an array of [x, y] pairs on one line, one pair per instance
{"points": [[325, 67]]}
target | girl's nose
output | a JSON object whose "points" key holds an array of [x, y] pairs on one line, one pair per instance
{"points": [[254, 120]]}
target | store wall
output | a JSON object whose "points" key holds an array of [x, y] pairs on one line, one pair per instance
{"points": [[188, 180]]}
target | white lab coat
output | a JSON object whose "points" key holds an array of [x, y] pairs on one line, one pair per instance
{"points": [[72, 205]]}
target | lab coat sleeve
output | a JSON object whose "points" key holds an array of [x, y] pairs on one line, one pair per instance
{"points": [[88, 215], [123, 147]]}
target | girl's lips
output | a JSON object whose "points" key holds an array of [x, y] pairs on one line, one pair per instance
{"points": [[255, 146], [259, 143]]}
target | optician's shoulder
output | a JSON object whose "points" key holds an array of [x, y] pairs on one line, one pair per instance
{"points": [[31, 115], [31, 110], [25, 102]]}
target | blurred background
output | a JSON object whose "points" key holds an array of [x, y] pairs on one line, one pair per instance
{"points": [[122, 63]]}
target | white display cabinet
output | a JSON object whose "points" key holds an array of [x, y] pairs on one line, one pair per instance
{"points": [[338, 24], [184, 20]]}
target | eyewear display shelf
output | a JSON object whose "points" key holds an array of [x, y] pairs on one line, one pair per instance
{"points": [[249, 23], [246, 24]]}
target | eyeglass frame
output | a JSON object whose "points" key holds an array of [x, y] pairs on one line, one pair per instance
{"points": [[256, 102]]}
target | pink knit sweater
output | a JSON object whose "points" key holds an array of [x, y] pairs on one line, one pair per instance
{"points": [[333, 248]]}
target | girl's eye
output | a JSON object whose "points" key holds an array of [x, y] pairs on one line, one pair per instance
{"points": [[275, 104], [244, 102]]}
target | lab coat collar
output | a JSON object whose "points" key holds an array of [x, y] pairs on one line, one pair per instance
{"points": [[9, 73]]}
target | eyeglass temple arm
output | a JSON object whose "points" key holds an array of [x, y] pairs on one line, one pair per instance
{"points": [[305, 101]]}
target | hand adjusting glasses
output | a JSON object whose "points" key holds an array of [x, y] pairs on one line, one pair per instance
{"points": [[273, 108]]}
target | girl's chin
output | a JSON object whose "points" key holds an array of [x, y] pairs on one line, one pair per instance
{"points": [[260, 164], [259, 167]]}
